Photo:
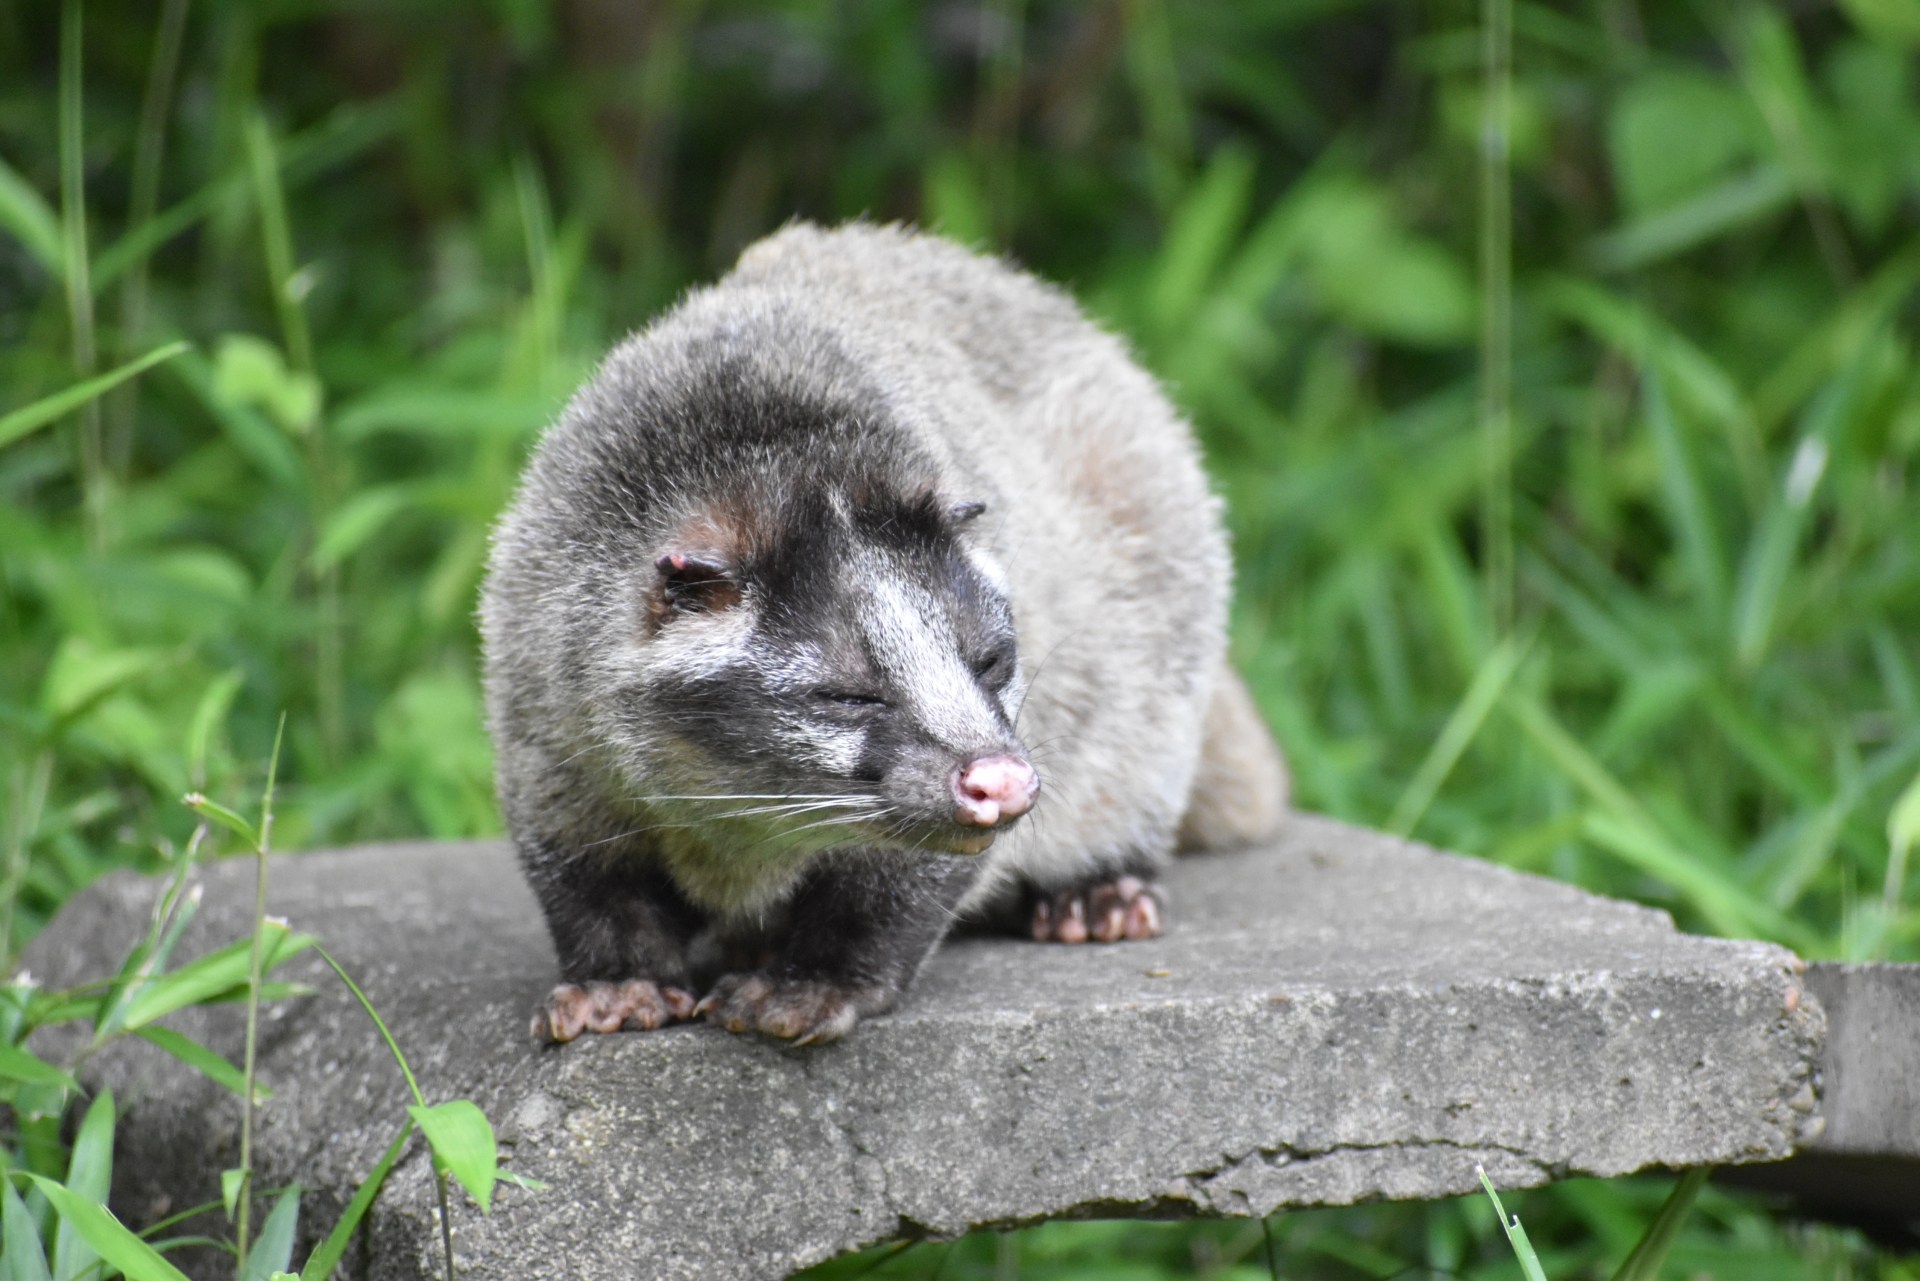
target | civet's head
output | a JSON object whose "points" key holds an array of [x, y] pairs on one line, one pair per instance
{"points": [[828, 656]]}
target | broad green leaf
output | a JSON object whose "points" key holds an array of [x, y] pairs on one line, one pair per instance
{"points": [[250, 372], [211, 1065], [320, 1263], [89, 1179], [83, 675], [272, 1252], [214, 974], [21, 1253], [105, 1235], [463, 1144], [18, 1065], [61, 403], [1674, 133], [1370, 271]]}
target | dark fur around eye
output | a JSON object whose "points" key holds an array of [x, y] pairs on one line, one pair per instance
{"points": [[994, 667]]}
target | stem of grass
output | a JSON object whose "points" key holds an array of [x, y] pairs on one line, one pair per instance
{"points": [[1496, 316], [1643, 1264], [393, 1048], [148, 150], [28, 796], [242, 1202], [276, 235], [73, 227]]}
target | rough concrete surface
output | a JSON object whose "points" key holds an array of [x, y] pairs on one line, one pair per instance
{"points": [[1871, 1066], [1864, 1165], [1338, 1018]]}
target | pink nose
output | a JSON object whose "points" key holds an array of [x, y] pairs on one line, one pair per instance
{"points": [[993, 788]]}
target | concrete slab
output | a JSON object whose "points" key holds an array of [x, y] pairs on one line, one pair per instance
{"points": [[1341, 1017], [1863, 1167]]}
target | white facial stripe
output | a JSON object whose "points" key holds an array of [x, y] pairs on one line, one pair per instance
{"points": [[914, 644], [834, 749], [697, 645]]}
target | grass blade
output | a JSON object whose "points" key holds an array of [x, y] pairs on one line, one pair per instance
{"points": [[89, 1179], [211, 1065], [321, 1262], [25, 213], [1496, 311], [1693, 517], [1516, 1234], [106, 1236], [1768, 561], [21, 1253], [1903, 831], [17, 1064], [273, 1252], [1489, 683], [61, 403], [393, 1047], [214, 974], [1643, 1264], [220, 814]]}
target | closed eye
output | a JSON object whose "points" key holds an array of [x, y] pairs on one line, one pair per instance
{"points": [[992, 664], [849, 698]]}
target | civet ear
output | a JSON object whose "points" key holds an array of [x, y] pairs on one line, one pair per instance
{"points": [[965, 510], [692, 584]]}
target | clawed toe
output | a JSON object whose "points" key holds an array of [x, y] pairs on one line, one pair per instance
{"points": [[1126, 908], [638, 1005], [805, 1011]]}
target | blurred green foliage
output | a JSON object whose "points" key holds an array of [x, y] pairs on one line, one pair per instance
{"points": [[397, 235]]}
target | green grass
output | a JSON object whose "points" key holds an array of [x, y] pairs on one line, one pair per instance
{"points": [[1653, 627]]}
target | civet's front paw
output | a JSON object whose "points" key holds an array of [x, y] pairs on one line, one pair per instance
{"points": [[1105, 912], [805, 1011], [638, 1005]]}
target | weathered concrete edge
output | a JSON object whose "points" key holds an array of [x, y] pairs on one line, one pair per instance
{"points": [[1254, 1182], [1863, 1167], [1296, 1172]]}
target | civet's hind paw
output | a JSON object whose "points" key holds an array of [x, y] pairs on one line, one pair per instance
{"points": [[1106, 912], [638, 1005], [805, 1011]]}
